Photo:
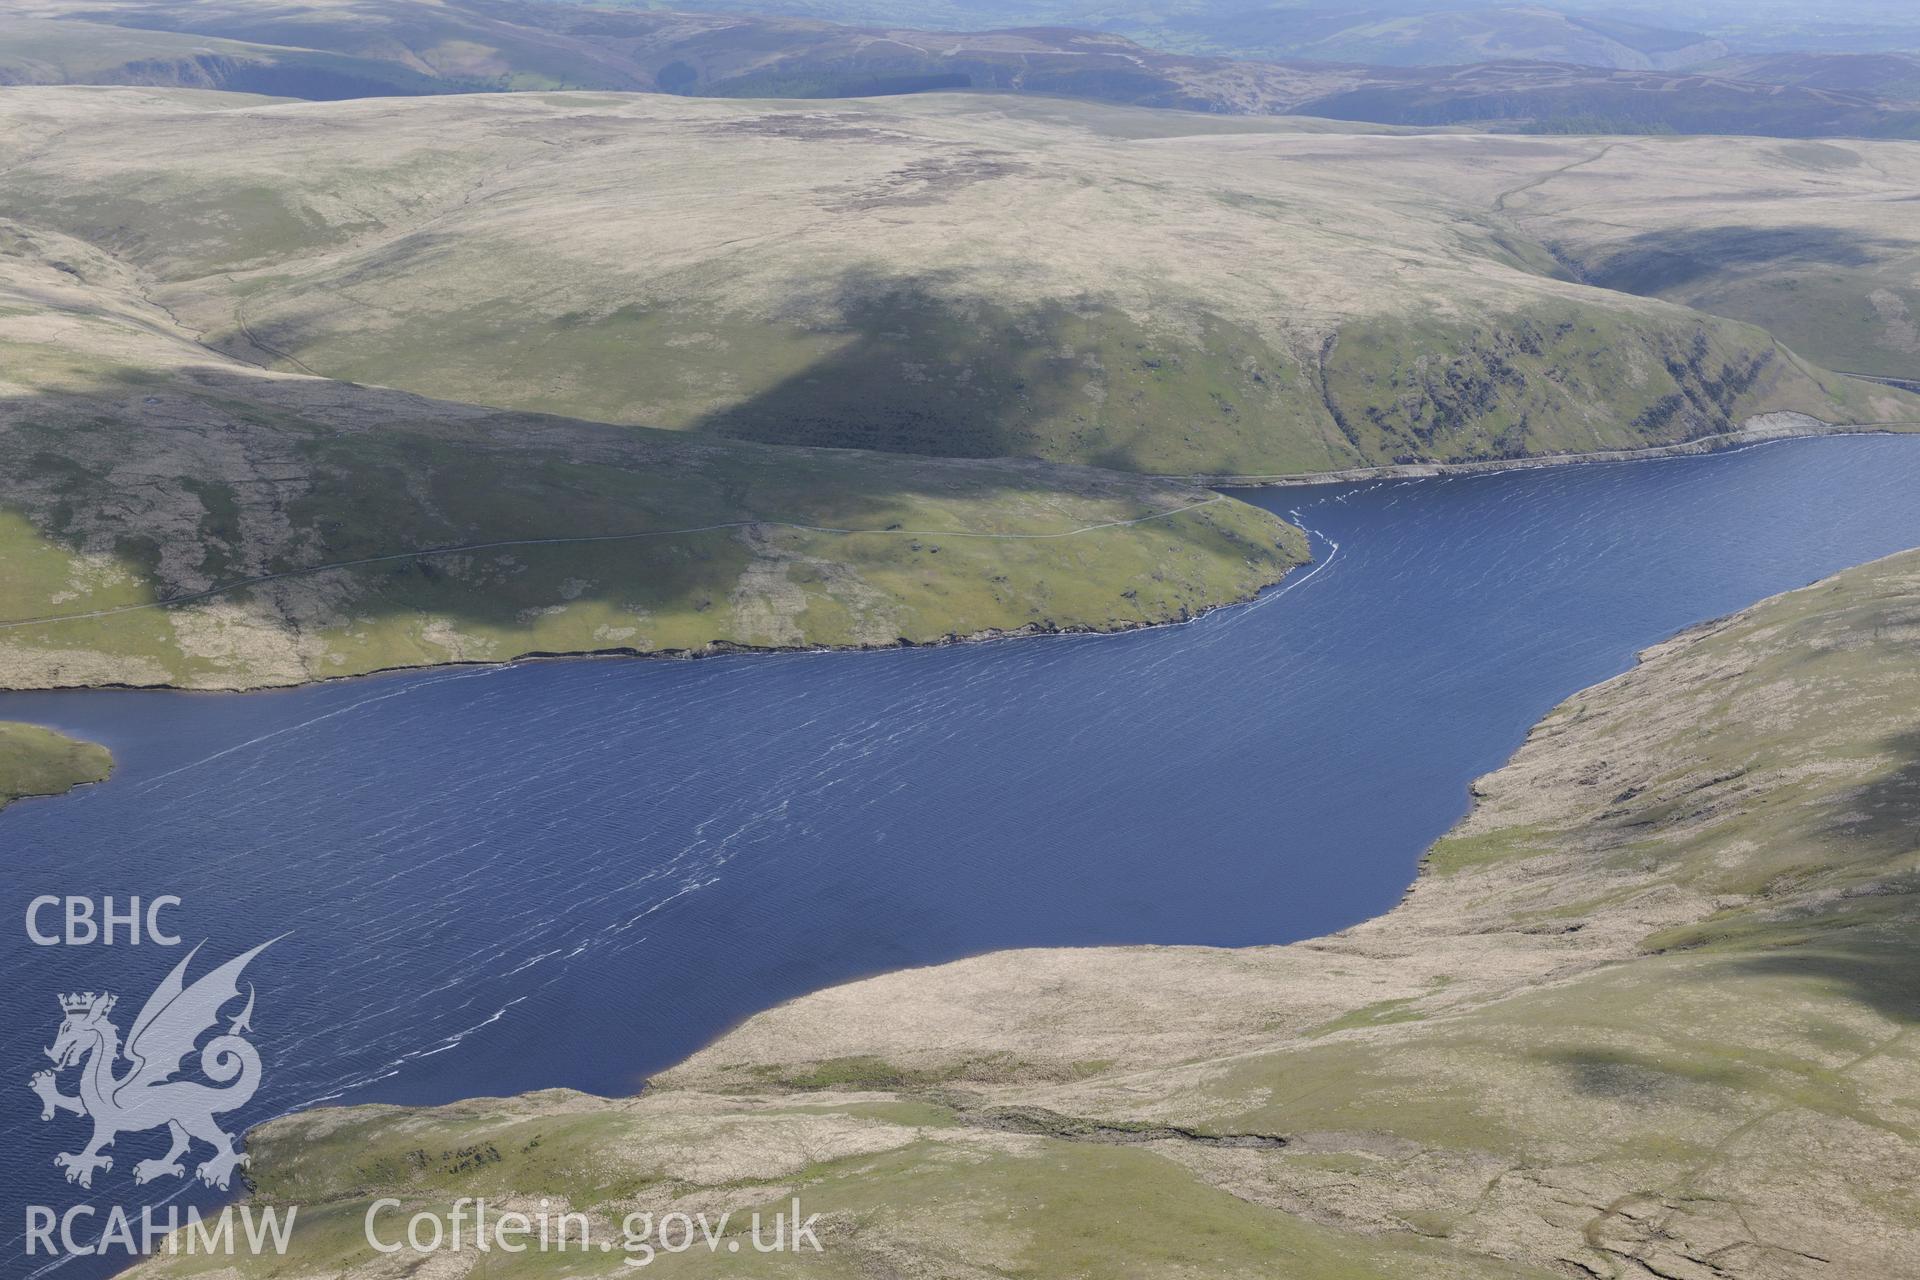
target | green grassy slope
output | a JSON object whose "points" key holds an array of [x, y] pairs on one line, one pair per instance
{"points": [[324, 50], [36, 761], [1460, 36], [1833, 279], [949, 276], [169, 515], [1649, 1012], [64, 51]]}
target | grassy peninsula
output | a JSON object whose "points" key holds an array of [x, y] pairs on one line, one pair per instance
{"points": [[36, 761], [1648, 1012]]}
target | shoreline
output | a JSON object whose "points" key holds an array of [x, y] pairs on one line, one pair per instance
{"points": [[1766, 428], [1761, 429], [718, 649]]}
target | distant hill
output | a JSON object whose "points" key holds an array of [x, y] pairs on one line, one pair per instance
{"points": [[1582, 100], [330, 49], [325, 49], [64, 51], [1385, 37], [1884, 75]]}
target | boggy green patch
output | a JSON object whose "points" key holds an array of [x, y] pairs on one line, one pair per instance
{"points": [[866, 1073], [200, 228]]}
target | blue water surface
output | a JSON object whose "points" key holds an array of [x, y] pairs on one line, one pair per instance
{"points": [[576, 873]]}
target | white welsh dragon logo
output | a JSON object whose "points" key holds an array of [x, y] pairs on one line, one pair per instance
{"points": [[147, 1096]]}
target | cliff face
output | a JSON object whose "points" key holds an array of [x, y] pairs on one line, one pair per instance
{"points": [[1647, 1012]]}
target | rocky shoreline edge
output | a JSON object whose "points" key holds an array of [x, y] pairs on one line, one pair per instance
{"points": [[1766, 428], [718, 649]]}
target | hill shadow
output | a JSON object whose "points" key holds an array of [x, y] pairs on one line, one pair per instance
{"points": [[346, 473], [1867, 942], [1653, 261], [1883, 817], [920, 373]]}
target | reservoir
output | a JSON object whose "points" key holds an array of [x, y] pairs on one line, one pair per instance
{"points": [[575, 873]]}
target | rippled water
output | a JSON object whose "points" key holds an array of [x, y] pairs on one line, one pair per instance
{"points": [[576, 873]]}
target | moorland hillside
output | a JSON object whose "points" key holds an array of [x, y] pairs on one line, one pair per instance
{"points": [[1520, 73], [967, 276], [172, 515]]}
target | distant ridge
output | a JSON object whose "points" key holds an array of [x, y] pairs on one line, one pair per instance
{"points": [[381, 48]]}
